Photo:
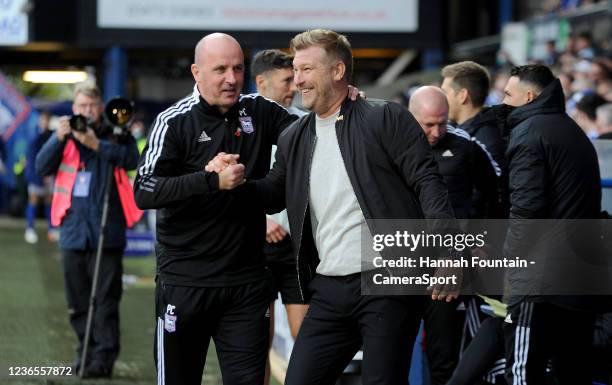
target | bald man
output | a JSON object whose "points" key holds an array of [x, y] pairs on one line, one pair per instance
{"points": [[211, 278], [464, 162], [466, 166]]}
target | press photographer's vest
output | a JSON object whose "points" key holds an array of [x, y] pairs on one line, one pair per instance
{"points": [[66, 177]]}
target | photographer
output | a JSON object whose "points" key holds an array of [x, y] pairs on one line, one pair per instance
{"points": [[81, 157]]}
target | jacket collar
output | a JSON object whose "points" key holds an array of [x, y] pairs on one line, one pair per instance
{"points": [[345, 108], [550, 101], [484, 117], [311, 120], [496, 116], [209, 109]]}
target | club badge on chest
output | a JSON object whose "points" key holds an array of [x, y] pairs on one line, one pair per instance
{"points": [[246, 125]]}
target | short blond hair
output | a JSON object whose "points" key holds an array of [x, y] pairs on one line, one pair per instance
{"points": [[88, 89], [333, 43]]}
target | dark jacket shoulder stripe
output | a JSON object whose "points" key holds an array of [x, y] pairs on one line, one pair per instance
{"points": [[158, 133], [256, 95], [464, 135], [494, 164], [457, 132]]}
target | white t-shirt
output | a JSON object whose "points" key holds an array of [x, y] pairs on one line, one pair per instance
{"points": [[336, 217]]}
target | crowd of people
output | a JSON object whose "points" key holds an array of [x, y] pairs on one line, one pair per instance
{"points": [[585, 72], [515, 145]]}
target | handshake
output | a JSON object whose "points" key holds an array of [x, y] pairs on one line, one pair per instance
{"points": [[231, 173]]}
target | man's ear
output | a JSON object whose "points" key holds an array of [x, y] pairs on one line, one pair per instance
{"points": [[339, 70], [463, 96], [195, 71], [260, 83], [531, 94]]}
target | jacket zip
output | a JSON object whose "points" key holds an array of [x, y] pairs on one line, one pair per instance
{"points": [[357, 192], [297, 264]]}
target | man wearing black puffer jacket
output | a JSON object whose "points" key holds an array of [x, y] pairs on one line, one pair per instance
{"points": [[554, 174]]}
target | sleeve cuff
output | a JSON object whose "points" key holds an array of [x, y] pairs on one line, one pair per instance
{"points": [[211, 180]]}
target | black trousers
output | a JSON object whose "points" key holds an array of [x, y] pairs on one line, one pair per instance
{"points": [[236, 318], [483, 358], [539, 332], [443, 330], [340, 320], [78, 276]]}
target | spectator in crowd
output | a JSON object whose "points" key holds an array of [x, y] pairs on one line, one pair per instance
{"points": [[605, 89], [566, 79], [582, 81], [585, 114], [138, 130], [568, 56], [604, 121], [496, 92], [585, 49], [599, 72], [552, 56]]}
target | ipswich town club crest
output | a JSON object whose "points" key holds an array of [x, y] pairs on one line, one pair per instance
{"points": [[170, 323], [170, 319], [246, 124]]}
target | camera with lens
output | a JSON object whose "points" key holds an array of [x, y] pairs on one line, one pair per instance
{"points": [[118, 113], [79, 123]]}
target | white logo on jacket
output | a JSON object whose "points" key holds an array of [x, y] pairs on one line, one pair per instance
{"points": [[247, 124], [170, 319], [203, 137]]}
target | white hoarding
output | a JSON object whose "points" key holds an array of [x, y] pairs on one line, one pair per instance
{"points": [[398, 16], [515, 42], [13, 22]]}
